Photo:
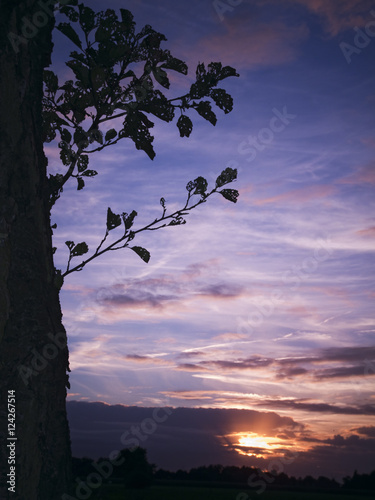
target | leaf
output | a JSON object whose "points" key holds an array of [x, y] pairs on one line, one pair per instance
{"points": [[66, 154], [110, 134], [200, 71], [129, 219], [230, 194], [80, 138], [86, 18], [51, 80], [82, 162], [90, 173], [178, 221], [223, 100], [127, 19], [69, 12], [113, 220], [157, 104], [69, 244], [81, 72], [96, 136], [217, 71], [66, 135], [228, 71], [161, 77], [185, 126], [68, 31], [198, 90], [102, 34], [200, 185], [142, 252], [136, 126], [176, 65], [79, 116], [226, 176], [80, 249], [81, 183], [205, 110]]}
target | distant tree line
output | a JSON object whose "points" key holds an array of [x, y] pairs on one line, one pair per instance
{"points": [[240, 475], [136, 472], [130, 466]]}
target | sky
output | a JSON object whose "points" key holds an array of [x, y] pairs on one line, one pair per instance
{"points": [[264, 306]]}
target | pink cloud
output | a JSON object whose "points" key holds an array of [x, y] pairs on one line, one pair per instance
{"points": [[230, 336], [364, 175], [367, 233], [303, 195], [189, 367], [191, 394], [249, 43], [340, 15], [82, 289], [136, 358]]}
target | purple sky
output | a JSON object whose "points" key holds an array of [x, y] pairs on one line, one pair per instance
{"points": [[266, 305]]}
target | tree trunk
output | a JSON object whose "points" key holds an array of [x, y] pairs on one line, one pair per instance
{"points": [[33, 351]]}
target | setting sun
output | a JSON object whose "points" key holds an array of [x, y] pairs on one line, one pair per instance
{"points": [[254, 441], [253, 444]]}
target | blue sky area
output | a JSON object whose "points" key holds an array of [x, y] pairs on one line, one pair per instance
{"points": [[266, 305]]}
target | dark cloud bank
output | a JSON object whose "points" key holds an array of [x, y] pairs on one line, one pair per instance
{"points": [[182, 438]]}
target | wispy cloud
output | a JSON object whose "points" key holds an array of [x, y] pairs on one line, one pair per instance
{"points": [[249, 43], [299, 196], [339, 16]]}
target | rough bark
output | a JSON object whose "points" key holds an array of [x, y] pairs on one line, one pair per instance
{"points": [[33, 357]]}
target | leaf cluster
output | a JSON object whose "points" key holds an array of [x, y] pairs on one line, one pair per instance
{"points": [[120, 76]]}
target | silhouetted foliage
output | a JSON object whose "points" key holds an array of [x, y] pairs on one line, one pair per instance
{"points": [[239, 475], [120, 77], [360, 481], [136, 471]]}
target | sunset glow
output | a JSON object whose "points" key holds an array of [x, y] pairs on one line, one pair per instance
{"points": [[254, 441]]}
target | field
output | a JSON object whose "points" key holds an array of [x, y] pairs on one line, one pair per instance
{"points": [[117, 492]]}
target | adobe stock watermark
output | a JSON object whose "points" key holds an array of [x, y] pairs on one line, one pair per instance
{"points": [[31, 26], [361, 40], [221, 7], [42, 358], [266, 135], [130, 439]]}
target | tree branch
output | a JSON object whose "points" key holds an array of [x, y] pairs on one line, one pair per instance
{"points": [[152, 226]]}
